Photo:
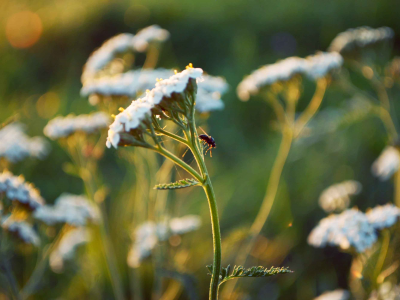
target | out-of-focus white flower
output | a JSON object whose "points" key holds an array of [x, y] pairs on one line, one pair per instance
{"points": [[146, 238], [106, 53], [22, 230], [387, 163], [360, 37], [334, 295], [64, 126], [351, 228], [148, 235], [313, 66], [71, 209], [320, 64], [15, 145], [282, 70], [131, 83], [386, 291], [337, 196], [383, 216], [185, 224], [15, 188], [144, 37], [66, 248], [134, 114], [209, 91]]}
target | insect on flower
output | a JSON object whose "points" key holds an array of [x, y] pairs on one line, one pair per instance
{"points": [[207, 140]]}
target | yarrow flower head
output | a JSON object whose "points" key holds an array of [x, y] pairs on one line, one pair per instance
{"points": [[387, 163], [334, 295], [360, 37], [16, 189], [209, 91], [144, 37], [119, 44], [67, 247], [15, 145], [351, 228], [61, 127], [22, 230], [337, 196], [383, 216], [314, 66], [71, 209], [185, 224], [165, 97], [149, 234]]}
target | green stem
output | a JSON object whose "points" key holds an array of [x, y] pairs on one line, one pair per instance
{"points": [[382, 256]]}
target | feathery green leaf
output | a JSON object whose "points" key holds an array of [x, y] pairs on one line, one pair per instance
{"points": [[184, 183]]}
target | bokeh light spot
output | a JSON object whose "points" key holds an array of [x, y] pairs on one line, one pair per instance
{"points": [[23, 29], [48, 105]]}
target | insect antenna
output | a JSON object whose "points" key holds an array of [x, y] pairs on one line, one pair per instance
{"points": [[203, 131]]}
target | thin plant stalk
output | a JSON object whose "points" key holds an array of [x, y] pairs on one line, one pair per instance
{"points": [[290, 130], [13, 285]]}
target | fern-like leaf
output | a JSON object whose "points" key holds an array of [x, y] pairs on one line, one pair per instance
{"points": [[241, 272], [184, 183]]}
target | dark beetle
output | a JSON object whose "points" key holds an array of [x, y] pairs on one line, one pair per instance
{"points": [[207, 140]]}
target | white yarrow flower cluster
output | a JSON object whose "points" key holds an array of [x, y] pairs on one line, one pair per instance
{"points": [[334, 295], [134, 114], [148, 235], [71, 209], [67, 247], [131, 83], [144, 37], [351, 228], [105, 54], [15, 145], [360, 37], [320, 64], [185, 224], [313, 66], [61, 127], [337, 196], [387, 163], [22, 230], [209, 91], [383, 216], [146, 238], [15, 188]]}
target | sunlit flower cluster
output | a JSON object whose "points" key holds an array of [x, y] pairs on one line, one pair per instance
{"points": [[67, 247], [185, 224], [313, 66], [383, 216], [15, 145], [22, 230], [15, 188], [387, 163], [337, 196], [360, 37], [133, 116], [102, 56], [148, 235], [351, 228], [334, 295], [71, 209], [144, 37], [119, 44], [131, 83], [64, 126]]}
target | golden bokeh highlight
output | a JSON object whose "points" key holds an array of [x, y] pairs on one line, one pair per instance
{"points": [[48, 105], [23, 29]]}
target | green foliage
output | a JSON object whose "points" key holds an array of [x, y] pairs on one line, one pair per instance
{"points": [[180, 184], [241, 272]]}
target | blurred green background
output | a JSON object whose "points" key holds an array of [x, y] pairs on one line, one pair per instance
{"points": [[229, 39]]}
